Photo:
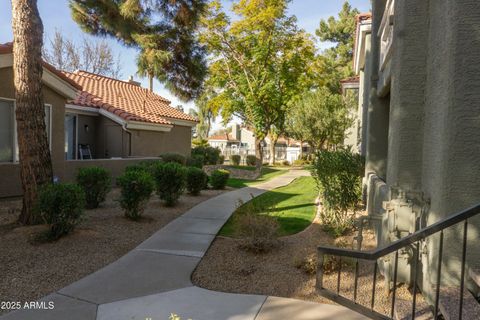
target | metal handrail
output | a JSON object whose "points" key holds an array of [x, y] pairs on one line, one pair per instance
{"points": [[394, 247], [406, 241]]}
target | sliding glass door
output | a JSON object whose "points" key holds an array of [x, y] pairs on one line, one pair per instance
{"points": [[70, 136]]}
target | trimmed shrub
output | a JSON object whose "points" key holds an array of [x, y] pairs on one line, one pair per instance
{"points": [[285, 163], [219, 178], [339, 178], [221, 159], [210, 155], [96, 183], [169, 181], [62, 206], [195, 161], [196, 180], [251, 160], [136, 188], [173, 157], [145, 166], [258, 231], [235, 158]]}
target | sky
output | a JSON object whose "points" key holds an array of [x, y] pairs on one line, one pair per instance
{"points": [[55, 15]]}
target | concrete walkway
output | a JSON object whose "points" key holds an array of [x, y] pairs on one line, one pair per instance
{"points": [[153, 280]]}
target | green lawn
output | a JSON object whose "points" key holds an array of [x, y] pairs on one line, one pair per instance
{"points": [[267, 174], [293, 206]]}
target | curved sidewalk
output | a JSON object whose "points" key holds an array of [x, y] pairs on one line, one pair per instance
{"points": [[153, 280]]}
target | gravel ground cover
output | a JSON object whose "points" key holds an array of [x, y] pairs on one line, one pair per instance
{"points": [[30, 270], [227, 268]]}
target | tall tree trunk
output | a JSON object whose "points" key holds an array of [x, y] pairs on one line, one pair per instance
{"points": [[301, 149], [258, 152], [273, 142], [34, 153], [150, 82]]}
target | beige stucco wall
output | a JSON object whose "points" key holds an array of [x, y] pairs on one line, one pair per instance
{"points": [[153, 143], [10, 172], [433, 123]]}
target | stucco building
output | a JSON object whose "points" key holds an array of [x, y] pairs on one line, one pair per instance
{"points": [[91, 120], [419, 68]]}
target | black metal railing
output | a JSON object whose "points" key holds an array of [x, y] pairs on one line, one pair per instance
{"points": [[413, 239]]}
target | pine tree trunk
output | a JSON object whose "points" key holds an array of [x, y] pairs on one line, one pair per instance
{"points": [[301, 149], [258, 152], [34, 153]]}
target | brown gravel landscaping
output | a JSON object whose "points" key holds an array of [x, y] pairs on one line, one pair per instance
{"points": [[30, 270], [227, 268]]}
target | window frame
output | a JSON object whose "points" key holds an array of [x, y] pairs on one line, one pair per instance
{"points": [[75, 144], [14, 138], [15, 157]]}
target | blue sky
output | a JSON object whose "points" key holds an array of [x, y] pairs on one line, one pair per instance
{"points": [[55, 14]]}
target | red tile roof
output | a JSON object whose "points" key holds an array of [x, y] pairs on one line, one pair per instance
{"points": [[7, 48], [124, 99], [353, 79], [223, 137]]}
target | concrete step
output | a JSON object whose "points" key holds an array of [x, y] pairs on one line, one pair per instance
{"points": [[403, 310], [450, 300], [474, 274]]}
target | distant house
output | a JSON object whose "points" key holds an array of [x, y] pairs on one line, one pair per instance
{"points": [[91, 120], [241, 140]]}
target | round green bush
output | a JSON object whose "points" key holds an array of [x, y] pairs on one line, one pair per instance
{"points": [[173, 157], [235, 158], [196, 180], [221, 159], [209, 155], [136, 188], [62, 206], [195, 161], [219, 178], [251, 160], [146, 166], [96, 183], [170, 181]]}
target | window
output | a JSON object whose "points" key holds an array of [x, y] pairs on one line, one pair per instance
{"points": [[70, 136], [8, 130]]}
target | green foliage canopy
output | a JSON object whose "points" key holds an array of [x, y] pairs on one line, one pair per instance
{"points": [[163, 30], [258, 63]]}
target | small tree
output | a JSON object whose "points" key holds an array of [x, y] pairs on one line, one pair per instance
{"points": [[319, 117], [258, 63], [92, 56]]}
